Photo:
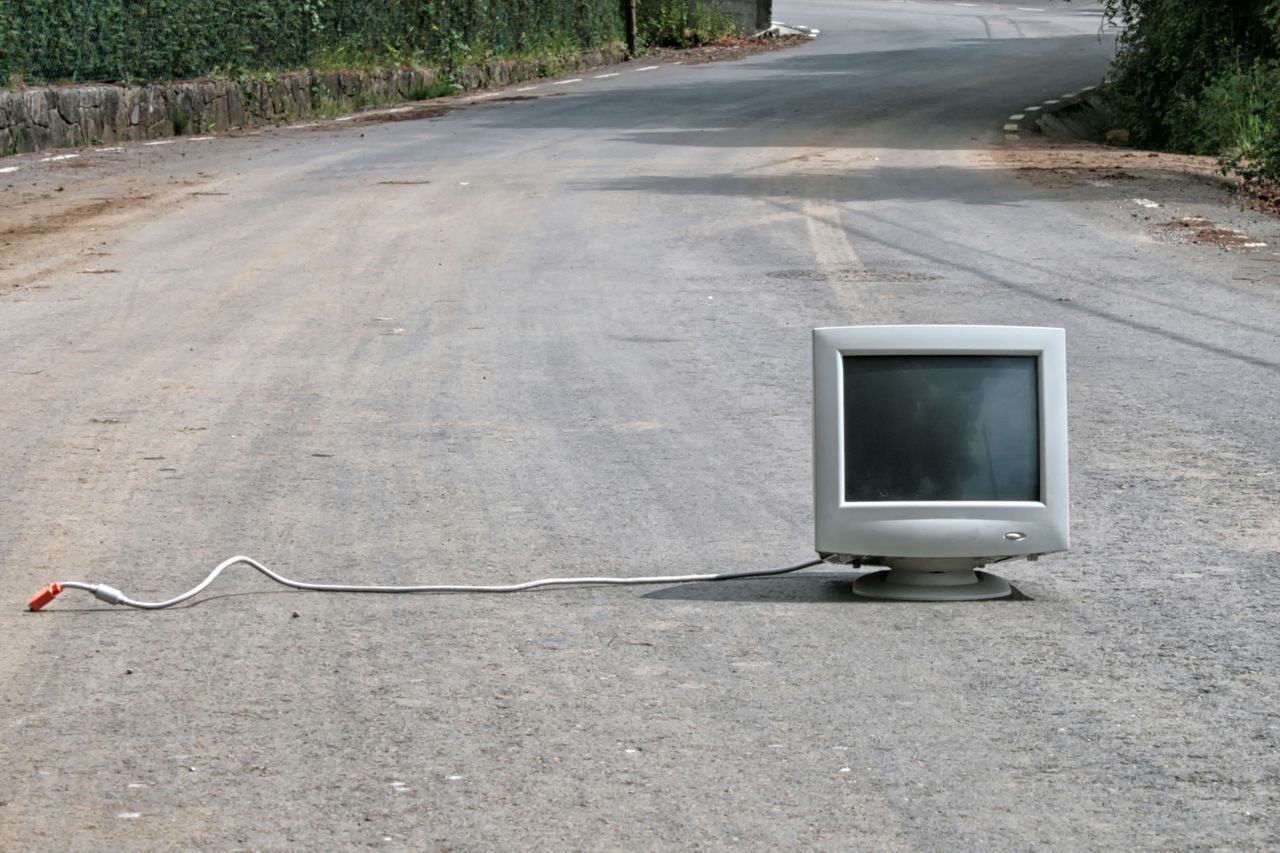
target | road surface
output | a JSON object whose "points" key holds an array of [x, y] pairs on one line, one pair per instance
{"points": [[567, 333]]}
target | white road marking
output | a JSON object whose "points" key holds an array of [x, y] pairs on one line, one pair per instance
{"points": [[971, 5], [831, 247], [1031, 109], [8, 169], [1010, 127], [111, 150], [161, 142], [1017, 117], [606, 76], [58, 157], [344, 118], [1052, 102], [526, 88], [199, 138], [1025, 9], [567, 82], [1253, 245], [1146, 202], [649, 68], [1012, 137]]}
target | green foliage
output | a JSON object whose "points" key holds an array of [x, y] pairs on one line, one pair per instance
{"points": [[680, 23], [438, 89], [1201, 76], [128, 40]]}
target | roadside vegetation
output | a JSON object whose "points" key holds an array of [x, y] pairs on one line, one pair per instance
{"points": [[1202, 77], [680, 23], [119, 41]]}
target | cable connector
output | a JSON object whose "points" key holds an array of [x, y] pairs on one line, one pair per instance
{"points": [[109, 594], [44, 596]]}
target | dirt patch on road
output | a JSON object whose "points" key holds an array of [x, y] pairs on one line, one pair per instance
{"points": [[57, 212], [1174, 198], [1197, 229], [1080, 164], [408, 113], [727, 49]]}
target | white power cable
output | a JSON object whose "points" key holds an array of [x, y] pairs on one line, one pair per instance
{"points": [[111, 595]]}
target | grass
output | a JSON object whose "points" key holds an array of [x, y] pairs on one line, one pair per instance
{"points": [[438, 89]]}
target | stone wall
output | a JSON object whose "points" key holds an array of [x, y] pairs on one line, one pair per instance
{"points": [[65, 116]]}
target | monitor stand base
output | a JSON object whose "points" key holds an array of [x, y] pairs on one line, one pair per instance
{"points": [[915, 585]]}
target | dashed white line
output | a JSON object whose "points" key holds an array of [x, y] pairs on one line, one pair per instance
{"points": [[113, 150], [567, 82], [1017, 117], [1010, 127], [1031, 109], [649, 68], [58, 157], [161, 142], [606, 76], [1012, 137], [526, 88], [199, 138], [1052, 102], [7, 169], [1026, 9]]}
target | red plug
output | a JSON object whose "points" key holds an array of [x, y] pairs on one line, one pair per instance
{"points": [[44, 596]]}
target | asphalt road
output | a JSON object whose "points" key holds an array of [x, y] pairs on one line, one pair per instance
{"points": [[570, 335]]}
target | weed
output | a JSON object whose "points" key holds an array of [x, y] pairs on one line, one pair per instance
{"points": [[438, 89], [680, 24], [1232, 116], [180, 122]]}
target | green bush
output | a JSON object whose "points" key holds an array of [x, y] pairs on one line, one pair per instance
{"points": [[680, 23], [1233, 113], [121, 40], [1201, 76]]}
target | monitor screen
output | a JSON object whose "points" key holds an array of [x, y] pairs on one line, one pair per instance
{"points": [[941, 428]]}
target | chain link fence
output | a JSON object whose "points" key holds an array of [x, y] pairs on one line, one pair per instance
{"points": [[70, 41]]}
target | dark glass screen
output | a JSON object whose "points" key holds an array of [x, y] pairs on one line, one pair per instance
{"points": [[941, 428]]}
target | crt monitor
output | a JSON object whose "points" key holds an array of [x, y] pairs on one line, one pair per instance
{"points": [[938, 450]]}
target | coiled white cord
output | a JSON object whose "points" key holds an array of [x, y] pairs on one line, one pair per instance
{"points": [[112, 595]]}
